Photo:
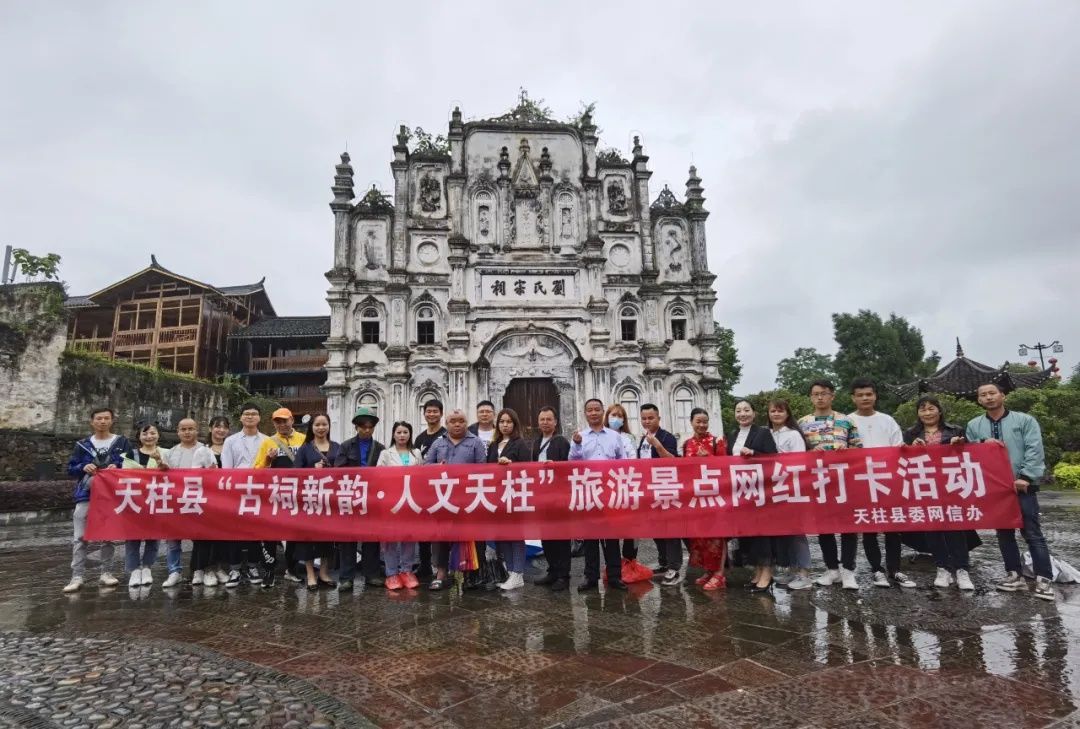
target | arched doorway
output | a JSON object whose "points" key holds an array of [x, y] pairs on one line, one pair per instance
{"points": [[526, 395]]}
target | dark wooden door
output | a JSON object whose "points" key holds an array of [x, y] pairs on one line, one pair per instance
{"points": [[526, 395]]}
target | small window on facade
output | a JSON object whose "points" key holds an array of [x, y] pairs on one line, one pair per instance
{"points": [[369, 401], [629, 400], [369, 326], [684, 403], [628, 324], [678, 323], [425, 325]]}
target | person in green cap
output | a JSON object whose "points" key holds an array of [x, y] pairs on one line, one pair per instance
{"points": [[360, 452]]}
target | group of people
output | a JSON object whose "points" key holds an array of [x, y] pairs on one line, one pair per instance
{"points": [[498, 437]]}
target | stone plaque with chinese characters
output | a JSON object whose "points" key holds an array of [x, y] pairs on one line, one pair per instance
{"points": [[509, 287]]}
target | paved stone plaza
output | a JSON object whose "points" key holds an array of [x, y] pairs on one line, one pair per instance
{"points": [[651, 657]]}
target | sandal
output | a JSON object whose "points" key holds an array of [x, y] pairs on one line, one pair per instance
{"points": [[715, 583], [703, 579]]}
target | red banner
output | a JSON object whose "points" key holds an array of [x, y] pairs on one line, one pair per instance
{"points": [[859, 490]]}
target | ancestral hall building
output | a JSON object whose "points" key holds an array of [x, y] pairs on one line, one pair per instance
{"points": [[516, 266]]}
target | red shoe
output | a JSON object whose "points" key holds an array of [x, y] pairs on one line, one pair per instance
{"points": [[393, 582], [716, 582], [409, 580]]}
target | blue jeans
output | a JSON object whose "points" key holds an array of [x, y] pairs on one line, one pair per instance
{"points": [[513, 554], [1032, 531], [132, 560], [173, 556], [399, 557]]}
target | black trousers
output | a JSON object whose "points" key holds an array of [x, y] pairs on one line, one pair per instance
{"points": [[669, 552], [207, 553], [757, 551], [873, 552], [849, 545], [425, 558], [612, 559], [629, 549], [369, 560], [557, 553], [240, 552]]}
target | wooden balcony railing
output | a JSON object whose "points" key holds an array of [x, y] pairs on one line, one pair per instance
{"points": [[99, 344], [127, 340], [271, 364], [178, 335], [163, 336]]}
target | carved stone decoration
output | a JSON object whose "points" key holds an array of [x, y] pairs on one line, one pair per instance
{"points": [[399, 313], [528, 219], [430, 194], [566, 227], [616, 197], [532, 354], [370, 252], [484, 221], [673, 249]]}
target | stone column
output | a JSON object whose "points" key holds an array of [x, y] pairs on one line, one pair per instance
{"points": [[343, 194], [400, 169]]}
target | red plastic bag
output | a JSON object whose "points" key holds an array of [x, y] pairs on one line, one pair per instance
{"points": [[632, 571]]}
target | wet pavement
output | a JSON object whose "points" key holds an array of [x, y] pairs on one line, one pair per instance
{"points": [[649, 657]]}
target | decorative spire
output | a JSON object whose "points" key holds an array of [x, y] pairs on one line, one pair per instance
{"points": [[694, 197], [455, 117], [637, 151], [545, 162], [959, 349], [504, 162], [343, 181], [402, 138]]}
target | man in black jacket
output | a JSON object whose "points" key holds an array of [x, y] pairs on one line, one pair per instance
{"points": [[658, 443], [359, 452], [550, 446]]}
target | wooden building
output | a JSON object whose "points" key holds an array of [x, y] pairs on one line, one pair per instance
{"points": [[284, 359], [962, 378], [161, 319]]}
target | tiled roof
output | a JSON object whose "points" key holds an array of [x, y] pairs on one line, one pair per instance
{"points": [[962, 378], [78, 302], [286, 326]]}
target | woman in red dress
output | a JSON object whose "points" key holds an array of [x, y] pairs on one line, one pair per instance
{"points": [[707, 553]]}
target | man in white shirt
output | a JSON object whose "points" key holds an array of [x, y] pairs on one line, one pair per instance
{"points": [[239, 451], [878, 430], [484, 427]]}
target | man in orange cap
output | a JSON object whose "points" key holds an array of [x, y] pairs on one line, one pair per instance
{"points": [[279, 451]]}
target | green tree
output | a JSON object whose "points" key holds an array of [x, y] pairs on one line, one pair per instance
{"points": [[888, 352], [1057, 409], [730, 367], [799, 401], [32, 266], [795, 373], [958, 411]]}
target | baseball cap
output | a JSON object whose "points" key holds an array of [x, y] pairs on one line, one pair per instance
{"points": [[281, 414]]}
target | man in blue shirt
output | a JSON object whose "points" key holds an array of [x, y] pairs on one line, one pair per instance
{"points": [[360, 452], [596, 442], [459, 445], [1021, 435]]}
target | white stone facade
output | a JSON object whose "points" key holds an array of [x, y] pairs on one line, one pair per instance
{"points": [[518, 260]]}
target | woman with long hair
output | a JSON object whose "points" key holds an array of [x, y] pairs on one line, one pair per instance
{"points": [[708, 553], [209, 558], [147, 455], [616, 419], [748, 441], [950, 549], [793, 551], [318, 451], [399, 557], [507, 446]]}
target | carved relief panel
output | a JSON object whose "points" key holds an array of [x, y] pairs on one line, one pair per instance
{"points": [[428, 191], [617, 197], [485, 217], [371, 249], [623, 254], [672, 244], [428, 252]]}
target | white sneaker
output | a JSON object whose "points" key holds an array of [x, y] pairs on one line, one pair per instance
{"points": [[515, 581], [172, 580], [108, 580], [800, 583], [831, 577], [944, 579], [1043, 589], [784, 578], [963, 580], [147, 578], [880, 580], [222, 576], [74, 586], [847, 579], [253, 575], [903, 580], [233, 578], [210, 578], [135, 580], [197, 577], [1013, 582]]}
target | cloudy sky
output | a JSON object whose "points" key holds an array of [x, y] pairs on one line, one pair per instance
{"points": [[920, 158]]}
